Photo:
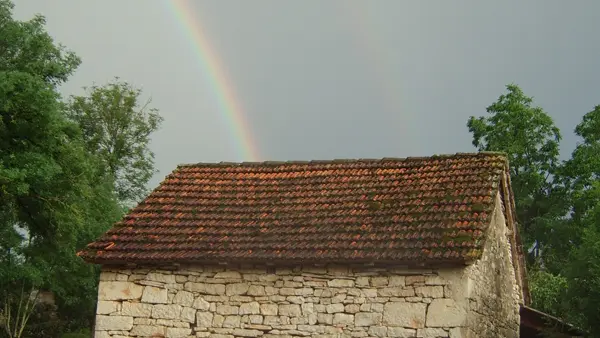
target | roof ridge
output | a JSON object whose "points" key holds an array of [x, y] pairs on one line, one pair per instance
{"points": [[341, 160]]}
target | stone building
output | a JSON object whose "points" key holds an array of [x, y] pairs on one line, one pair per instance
{"points": [[416, 247]]}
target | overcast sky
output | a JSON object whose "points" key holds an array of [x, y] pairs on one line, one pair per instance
{"points": [[320, 79]]}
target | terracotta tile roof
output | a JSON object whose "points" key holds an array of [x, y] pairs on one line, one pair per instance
{"points": [[402, 210]]}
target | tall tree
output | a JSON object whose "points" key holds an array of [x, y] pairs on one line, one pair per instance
{"points": [[52, 195], [531, 141], [581, 175], [117, 126]]}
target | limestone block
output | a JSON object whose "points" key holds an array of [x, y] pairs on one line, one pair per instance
{"points": [[204, 288], [445, 313], [340, 283], [177, 332], [430, 291], [379, 281], [401, 332], [367, 319], [324, 318], [410, 315], [396, 291], [188, 314], [160, 277], [251, 308], [246, 333], [295, 299], [218, 321], [232, 321], [171, 311], [269, 309], [255, 319], [335, 308], [343, 319], [378, 331], [119, 291], [227, 309], [397, 281], [204, 319], [148, 331], [184, 298], [430, 332], [136, 309], [154, 295], [113, 323], [410, 280], [236, 289], [201, 304], [256, 290], [106, 307], [290, 310], [101, 334]]}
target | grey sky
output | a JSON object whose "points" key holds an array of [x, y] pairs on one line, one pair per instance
{"points": [[335, 79]]}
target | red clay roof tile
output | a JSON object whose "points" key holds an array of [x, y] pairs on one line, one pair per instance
{"points": [[402, 210]]}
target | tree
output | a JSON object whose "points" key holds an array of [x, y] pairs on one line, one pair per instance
{"points": [[530, 140], [117, 127], [53, 196], [581, 174]]}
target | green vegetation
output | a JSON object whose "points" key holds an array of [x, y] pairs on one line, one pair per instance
{"points": [[558, 203], [61, 178]]}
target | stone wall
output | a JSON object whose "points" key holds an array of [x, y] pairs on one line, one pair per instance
{"points": [[481, 300], [495, 296]]}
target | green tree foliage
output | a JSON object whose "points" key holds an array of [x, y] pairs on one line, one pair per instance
{"points": [[582, 176], [558, 203], [531, 141], [117, 127], [53, 196]]}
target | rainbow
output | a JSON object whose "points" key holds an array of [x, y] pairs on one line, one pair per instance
{"points": [[210, 64]]}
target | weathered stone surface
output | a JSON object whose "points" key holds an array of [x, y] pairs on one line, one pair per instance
{"points": [[291, 310], [201, 304], [236, 289], [154, 295], [176, 332], [445, 313], [160, 277], [204, 288], [378, 331], [367, 319], [409, 315], [269, 309], [107, 307], [119, 291], [343, 318], [340, 283], [431, 333], [184, 298], [249, 308], [113, 323], [188, 314], [136, 309], [148, 331], [204, 319], [172, 311], [401, 332]]}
